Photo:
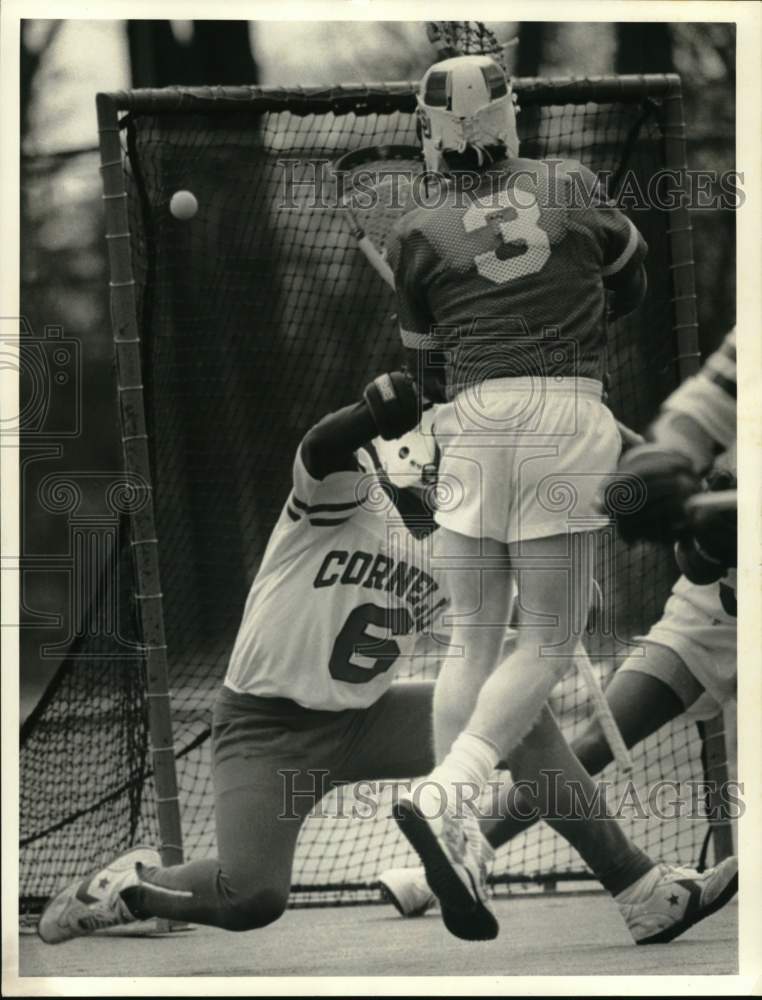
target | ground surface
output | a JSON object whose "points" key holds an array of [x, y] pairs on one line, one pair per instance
{"points": [[542, 935]]}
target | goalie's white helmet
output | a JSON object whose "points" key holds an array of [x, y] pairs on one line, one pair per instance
{"points": [[465, 101], [408, 461]]}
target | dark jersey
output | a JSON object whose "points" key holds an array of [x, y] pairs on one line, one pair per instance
{"points": [[510, 279]]}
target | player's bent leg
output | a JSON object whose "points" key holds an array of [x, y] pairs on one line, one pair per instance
{"points": [[552, 615], [480, 610], [554, 593], [247, 886], [389, 740], [480, 585], [264, 788], [573, 805], [641, 702], [392, 739]]}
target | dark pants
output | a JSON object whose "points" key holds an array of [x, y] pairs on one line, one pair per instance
{"points": [[273, 760]]}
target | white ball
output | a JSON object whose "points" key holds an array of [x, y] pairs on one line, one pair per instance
{"points": [[183, 204]]}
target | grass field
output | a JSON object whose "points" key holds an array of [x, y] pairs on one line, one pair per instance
{"points": [[559, 934]]}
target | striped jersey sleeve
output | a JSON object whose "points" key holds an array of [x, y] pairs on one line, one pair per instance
{"points": [[620, 240], [327, 502], [709, 398]]}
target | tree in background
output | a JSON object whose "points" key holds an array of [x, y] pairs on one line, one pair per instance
{"points": [[644, 47], [206, 53], [32, 56], [532, 37]]}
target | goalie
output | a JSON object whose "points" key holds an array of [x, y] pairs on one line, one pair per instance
{"points": [[335, 607]]}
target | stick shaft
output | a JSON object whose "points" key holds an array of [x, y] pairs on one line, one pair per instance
{"points": [[721, 500], [371, 252], [376, 260], [605, 717]]}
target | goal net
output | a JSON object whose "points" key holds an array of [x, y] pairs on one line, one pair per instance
{"points": [[256, 318]]}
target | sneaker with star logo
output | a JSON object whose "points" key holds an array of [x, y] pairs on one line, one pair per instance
{"points": [[667, 900], [94, 903]]}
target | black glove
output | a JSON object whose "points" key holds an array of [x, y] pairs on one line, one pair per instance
{"points": [[392, 400], [656, 483], [716, 532], [696, 564], [711, 548]]}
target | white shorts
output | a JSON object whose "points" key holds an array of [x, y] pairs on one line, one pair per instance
{"points": [[696, 627], [524, 458]]}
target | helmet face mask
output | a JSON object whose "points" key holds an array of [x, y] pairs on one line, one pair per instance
{"points": [[407, 470], [409, 462], [465, 102]]}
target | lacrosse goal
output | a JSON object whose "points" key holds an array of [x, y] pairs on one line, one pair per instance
{"points": [[234, 332]]}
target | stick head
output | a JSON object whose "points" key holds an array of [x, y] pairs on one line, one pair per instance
{"points": [[378, 184]]}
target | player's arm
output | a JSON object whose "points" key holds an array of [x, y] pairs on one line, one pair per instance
{"points": [[627, 288], [623, 250], [328, 484], [412, 261], [709, 549], [695, 422], [658, 483], [389, 408], [699, 418]]}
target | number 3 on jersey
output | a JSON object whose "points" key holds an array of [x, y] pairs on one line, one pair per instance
{"points": [[524, 229], [355, 640]]}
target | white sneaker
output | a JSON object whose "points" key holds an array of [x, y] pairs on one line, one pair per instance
{"points": [[94, 903], [453, 864], [407, 890], [668, 900]]}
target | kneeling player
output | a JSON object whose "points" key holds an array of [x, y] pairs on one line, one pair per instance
{"points": [[308, 698]]}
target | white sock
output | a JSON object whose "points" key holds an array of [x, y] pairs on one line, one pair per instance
{"points": [[643, 887], [465, 770]]}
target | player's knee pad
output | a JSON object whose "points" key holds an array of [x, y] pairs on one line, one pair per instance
{"points": [[258, 909]]}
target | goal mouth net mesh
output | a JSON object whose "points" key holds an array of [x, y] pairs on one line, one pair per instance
{"points": [[256, 318]]}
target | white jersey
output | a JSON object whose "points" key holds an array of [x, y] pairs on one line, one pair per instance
{"points": [[709, 397], [341, 597]]}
